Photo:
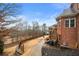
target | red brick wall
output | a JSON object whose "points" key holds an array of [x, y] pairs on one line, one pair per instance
{"points": [[68, 35], [59, 31], [59, 28], [77, 29]]}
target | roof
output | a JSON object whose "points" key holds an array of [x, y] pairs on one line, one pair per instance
{"points": [[53, 26], [67, 13]]}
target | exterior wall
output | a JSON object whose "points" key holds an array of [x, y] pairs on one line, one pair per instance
{"points": [[59, 31], [78, 30], [59, 27], [68, 35]]}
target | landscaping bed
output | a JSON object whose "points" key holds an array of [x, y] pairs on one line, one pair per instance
{"points": [[48, 50]]}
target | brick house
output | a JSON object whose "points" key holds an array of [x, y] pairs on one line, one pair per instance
{"points": [[68, 26]]}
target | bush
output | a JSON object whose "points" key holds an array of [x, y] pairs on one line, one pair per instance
{"points": [[1, 46]]}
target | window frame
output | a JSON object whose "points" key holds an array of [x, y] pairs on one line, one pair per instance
{"points": [[74, 22], [69, 25], [65, 23]]}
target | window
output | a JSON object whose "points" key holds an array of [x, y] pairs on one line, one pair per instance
{"points": [[67, 23], [71, 22]]}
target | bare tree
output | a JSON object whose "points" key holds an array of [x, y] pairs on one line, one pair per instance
{"points": [[44, 29], [6, 9]]}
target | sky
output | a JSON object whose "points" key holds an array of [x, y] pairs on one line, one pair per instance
{"points": [[41, 12]]}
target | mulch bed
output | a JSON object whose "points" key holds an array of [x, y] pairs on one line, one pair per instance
{"points": [[56, 51]]}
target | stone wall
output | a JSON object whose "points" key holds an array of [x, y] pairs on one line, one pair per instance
{"points": [[53, 51]]}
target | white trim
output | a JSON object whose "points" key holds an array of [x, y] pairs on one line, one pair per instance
{"points": [[70, 22], [65, 22], [74, 22], [39, 1]]}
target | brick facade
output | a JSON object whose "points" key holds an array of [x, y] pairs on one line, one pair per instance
{"points": [[67, 35]]}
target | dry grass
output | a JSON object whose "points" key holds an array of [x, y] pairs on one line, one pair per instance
{"points": [[28, 46]]}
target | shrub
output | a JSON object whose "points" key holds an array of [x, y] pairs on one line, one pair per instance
{"points": [[1, 46]]}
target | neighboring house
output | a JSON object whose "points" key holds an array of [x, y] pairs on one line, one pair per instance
{"points": [[53, 32], [68, 26]]}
